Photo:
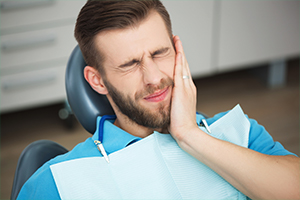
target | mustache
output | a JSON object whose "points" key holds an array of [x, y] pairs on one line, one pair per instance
{"points": [[150, 89]]}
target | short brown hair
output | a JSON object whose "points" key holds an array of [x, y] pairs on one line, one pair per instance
{"points": [[102, 15]]}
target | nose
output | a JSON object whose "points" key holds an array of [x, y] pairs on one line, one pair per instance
{"points": [[152, 74]]}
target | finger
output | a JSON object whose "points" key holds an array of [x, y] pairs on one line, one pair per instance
{"points": [[185, 66], [178, 70], [179, 48], [178, 45]]}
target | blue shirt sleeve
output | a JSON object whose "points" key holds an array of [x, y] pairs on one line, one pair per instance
{"points": [[40, 186], [259, 139]]}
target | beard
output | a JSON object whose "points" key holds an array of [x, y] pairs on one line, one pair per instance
{"points": [[136, 112]]}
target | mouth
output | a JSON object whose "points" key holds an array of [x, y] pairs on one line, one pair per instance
{"points": [[157, 96]]}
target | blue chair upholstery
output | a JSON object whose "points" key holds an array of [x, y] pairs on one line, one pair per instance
{"points": [[32, 158], [89, 104]]}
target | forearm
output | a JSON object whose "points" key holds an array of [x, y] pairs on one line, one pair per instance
{"points": [[257, 175]]}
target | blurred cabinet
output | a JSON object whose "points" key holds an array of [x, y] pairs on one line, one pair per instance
{"points": [[254, 32], [193, 22], [220, 36], [36, 41]]}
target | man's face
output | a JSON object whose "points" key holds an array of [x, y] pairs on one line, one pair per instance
{"points": [[139, 63]]}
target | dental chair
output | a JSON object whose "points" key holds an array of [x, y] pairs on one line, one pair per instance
{"points": [[86, 105]]}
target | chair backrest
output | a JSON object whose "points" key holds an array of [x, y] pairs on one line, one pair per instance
{"points": [[32, 158], [85, 103]]}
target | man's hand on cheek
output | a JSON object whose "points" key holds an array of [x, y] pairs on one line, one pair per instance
{"points": [[183, 107]]}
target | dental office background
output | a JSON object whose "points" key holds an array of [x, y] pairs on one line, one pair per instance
{"points": [[220, 38]]}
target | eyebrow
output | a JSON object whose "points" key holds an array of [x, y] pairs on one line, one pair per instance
{"points": [[136, 60]]}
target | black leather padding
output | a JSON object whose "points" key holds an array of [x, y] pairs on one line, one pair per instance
{"points": [[32, 158], [85, 103]]}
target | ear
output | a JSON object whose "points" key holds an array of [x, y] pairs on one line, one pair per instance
{"points": [[94, 78]]}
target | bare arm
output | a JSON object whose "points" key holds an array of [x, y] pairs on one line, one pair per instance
{"points": [[257, 175]]}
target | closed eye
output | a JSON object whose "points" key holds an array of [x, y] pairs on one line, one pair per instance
{"points": [[160, 52], [130, 63]]}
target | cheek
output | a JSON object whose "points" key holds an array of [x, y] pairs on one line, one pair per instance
{"points": [[130, 85], [167, 66]]}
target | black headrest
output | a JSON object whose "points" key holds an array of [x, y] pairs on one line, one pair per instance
{"points": [[85, 103]]}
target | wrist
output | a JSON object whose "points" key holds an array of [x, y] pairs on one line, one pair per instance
{"points": [[188, 137]]}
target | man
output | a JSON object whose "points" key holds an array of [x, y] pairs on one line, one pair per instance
{"points": [[135, 61]]}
